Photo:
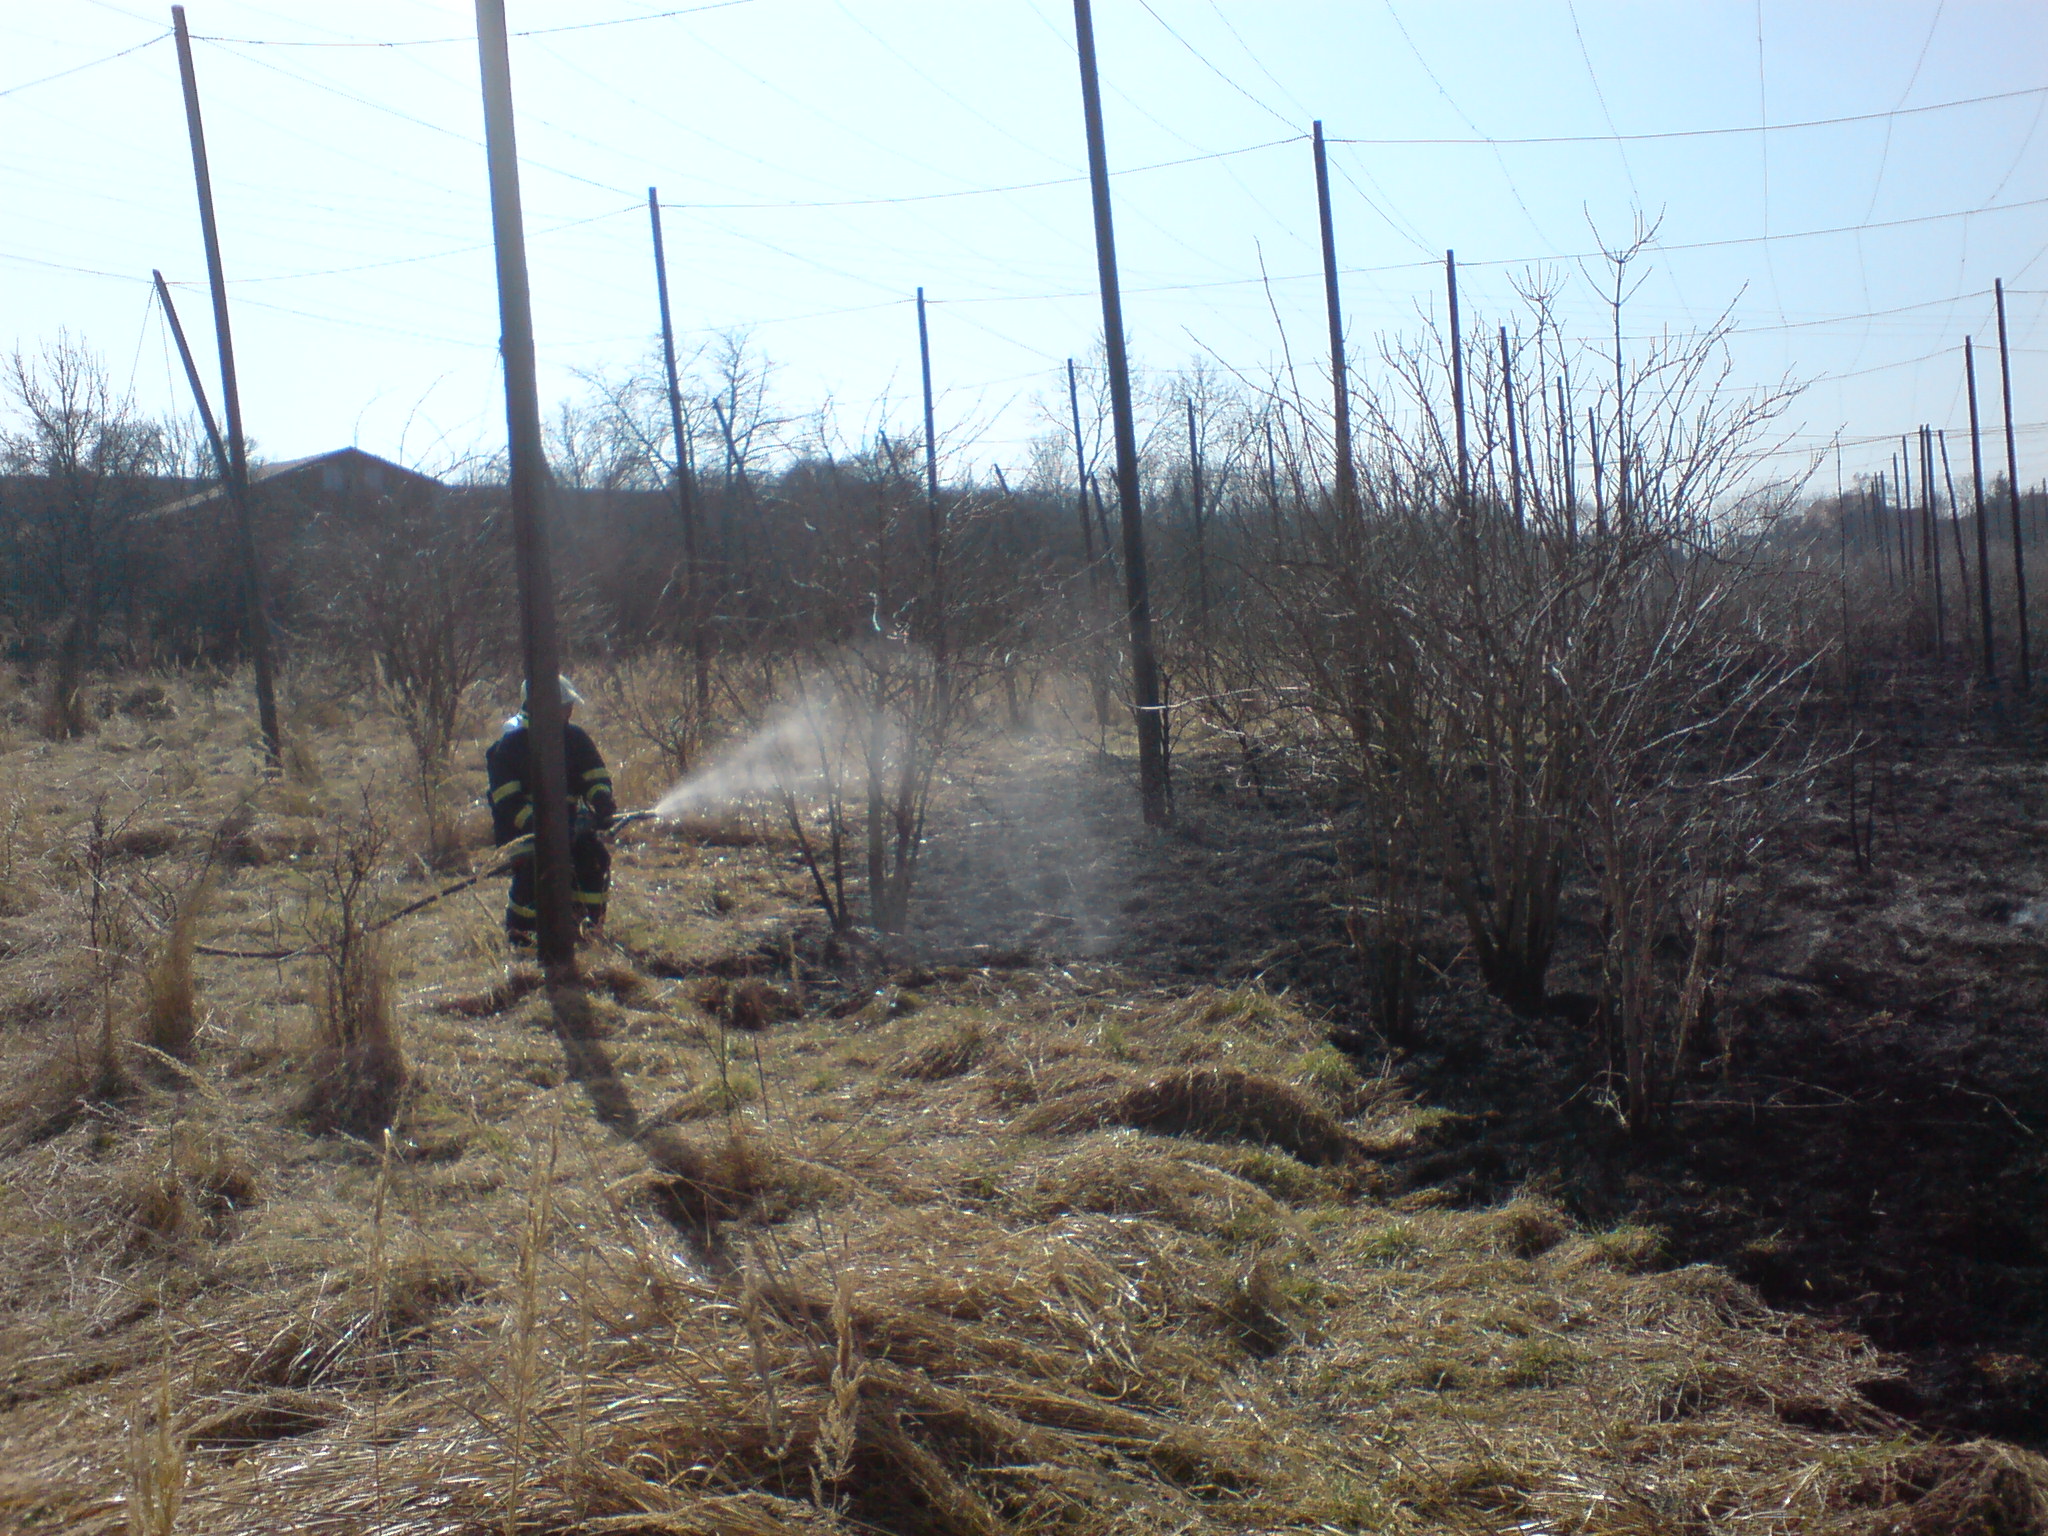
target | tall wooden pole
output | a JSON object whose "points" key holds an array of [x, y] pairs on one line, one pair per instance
{"points": [[1201, 513], [1458, 385], [1933, 534], [1842, 550], [1567, 437], [1902, 492], [1955, 528], [1080, 467], [686, 500], [192, 379], [935, 528], [255, 608], [1507, 385], [2012, 485], [1907, 504], [529, 476], [1599, 490], [1977, 500], [1153, 788], [1340, 378]]}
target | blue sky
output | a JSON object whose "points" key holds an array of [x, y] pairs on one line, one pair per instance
{"points": [[823, 158]]}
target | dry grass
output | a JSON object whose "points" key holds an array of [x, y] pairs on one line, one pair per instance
{"points": [[357, 1072], [170, 1007], [1211, 1104], [1032, 1251]]}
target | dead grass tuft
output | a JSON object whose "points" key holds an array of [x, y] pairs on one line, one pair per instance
{"points": [[186, 1187], [519, 983], [1210, 1104], [50, 1096], [747, 1003], [170, 1009], [357, 1073], [1982, 1488], [259, 845], [244, 1421], [704, 1183], [1524, 1228], [1628, 1249], [624, 984], [953, 1051], [149, 840], [1124, 1173], [158, 1213]]}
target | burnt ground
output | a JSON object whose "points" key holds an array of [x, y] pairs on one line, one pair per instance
{"points": [[1865, 1136]]}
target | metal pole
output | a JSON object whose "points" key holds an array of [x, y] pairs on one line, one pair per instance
{"points": [[1507, 384], [2012, 485], [1340, 379], [1458, 385], [1153, 788], [1977, 499], [529, 488], [254, 605], [686, 500], [935, 531]]}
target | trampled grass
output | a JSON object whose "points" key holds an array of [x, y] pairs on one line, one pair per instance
{"points": [[965, 1251]]}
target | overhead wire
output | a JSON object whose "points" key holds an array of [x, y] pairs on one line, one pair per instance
{"points": [[1275, 219], [1501, 160], [1763, 149], [1258, 63], [421, 122], [1763, 128], [76, 69], [1735, 131], [470, 38], [1600, 96], [1913, 79], [1377, 200], [942, 88], [1204, 60]]}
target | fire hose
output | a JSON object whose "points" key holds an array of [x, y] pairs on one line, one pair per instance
{"points": [[510, 853]]}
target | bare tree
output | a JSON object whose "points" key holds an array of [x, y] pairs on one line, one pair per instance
{"points": [[421, 583], [80, 467]]}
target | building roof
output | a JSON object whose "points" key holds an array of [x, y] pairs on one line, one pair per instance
{"points": [[353, 463]]}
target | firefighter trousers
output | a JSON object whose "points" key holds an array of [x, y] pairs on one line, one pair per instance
{"points": [[592, 865]]}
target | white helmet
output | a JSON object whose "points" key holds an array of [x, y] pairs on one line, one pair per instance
{"points": [[570, 697]]}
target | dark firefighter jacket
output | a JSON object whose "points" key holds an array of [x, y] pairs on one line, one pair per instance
{"points": [[508, 762]]}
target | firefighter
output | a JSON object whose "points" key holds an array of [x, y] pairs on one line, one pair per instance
{"points": [[590, 811]]}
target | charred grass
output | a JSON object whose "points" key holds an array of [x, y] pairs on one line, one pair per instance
{"points": [[964, 1249]]}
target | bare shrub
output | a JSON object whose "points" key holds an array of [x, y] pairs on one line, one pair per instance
{"points": [[656, 699], [357, 1073], [1533, 688], [421, 587], [82, 466]]}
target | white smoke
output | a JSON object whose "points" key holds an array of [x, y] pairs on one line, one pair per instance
{"points": [[798, 752]]}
